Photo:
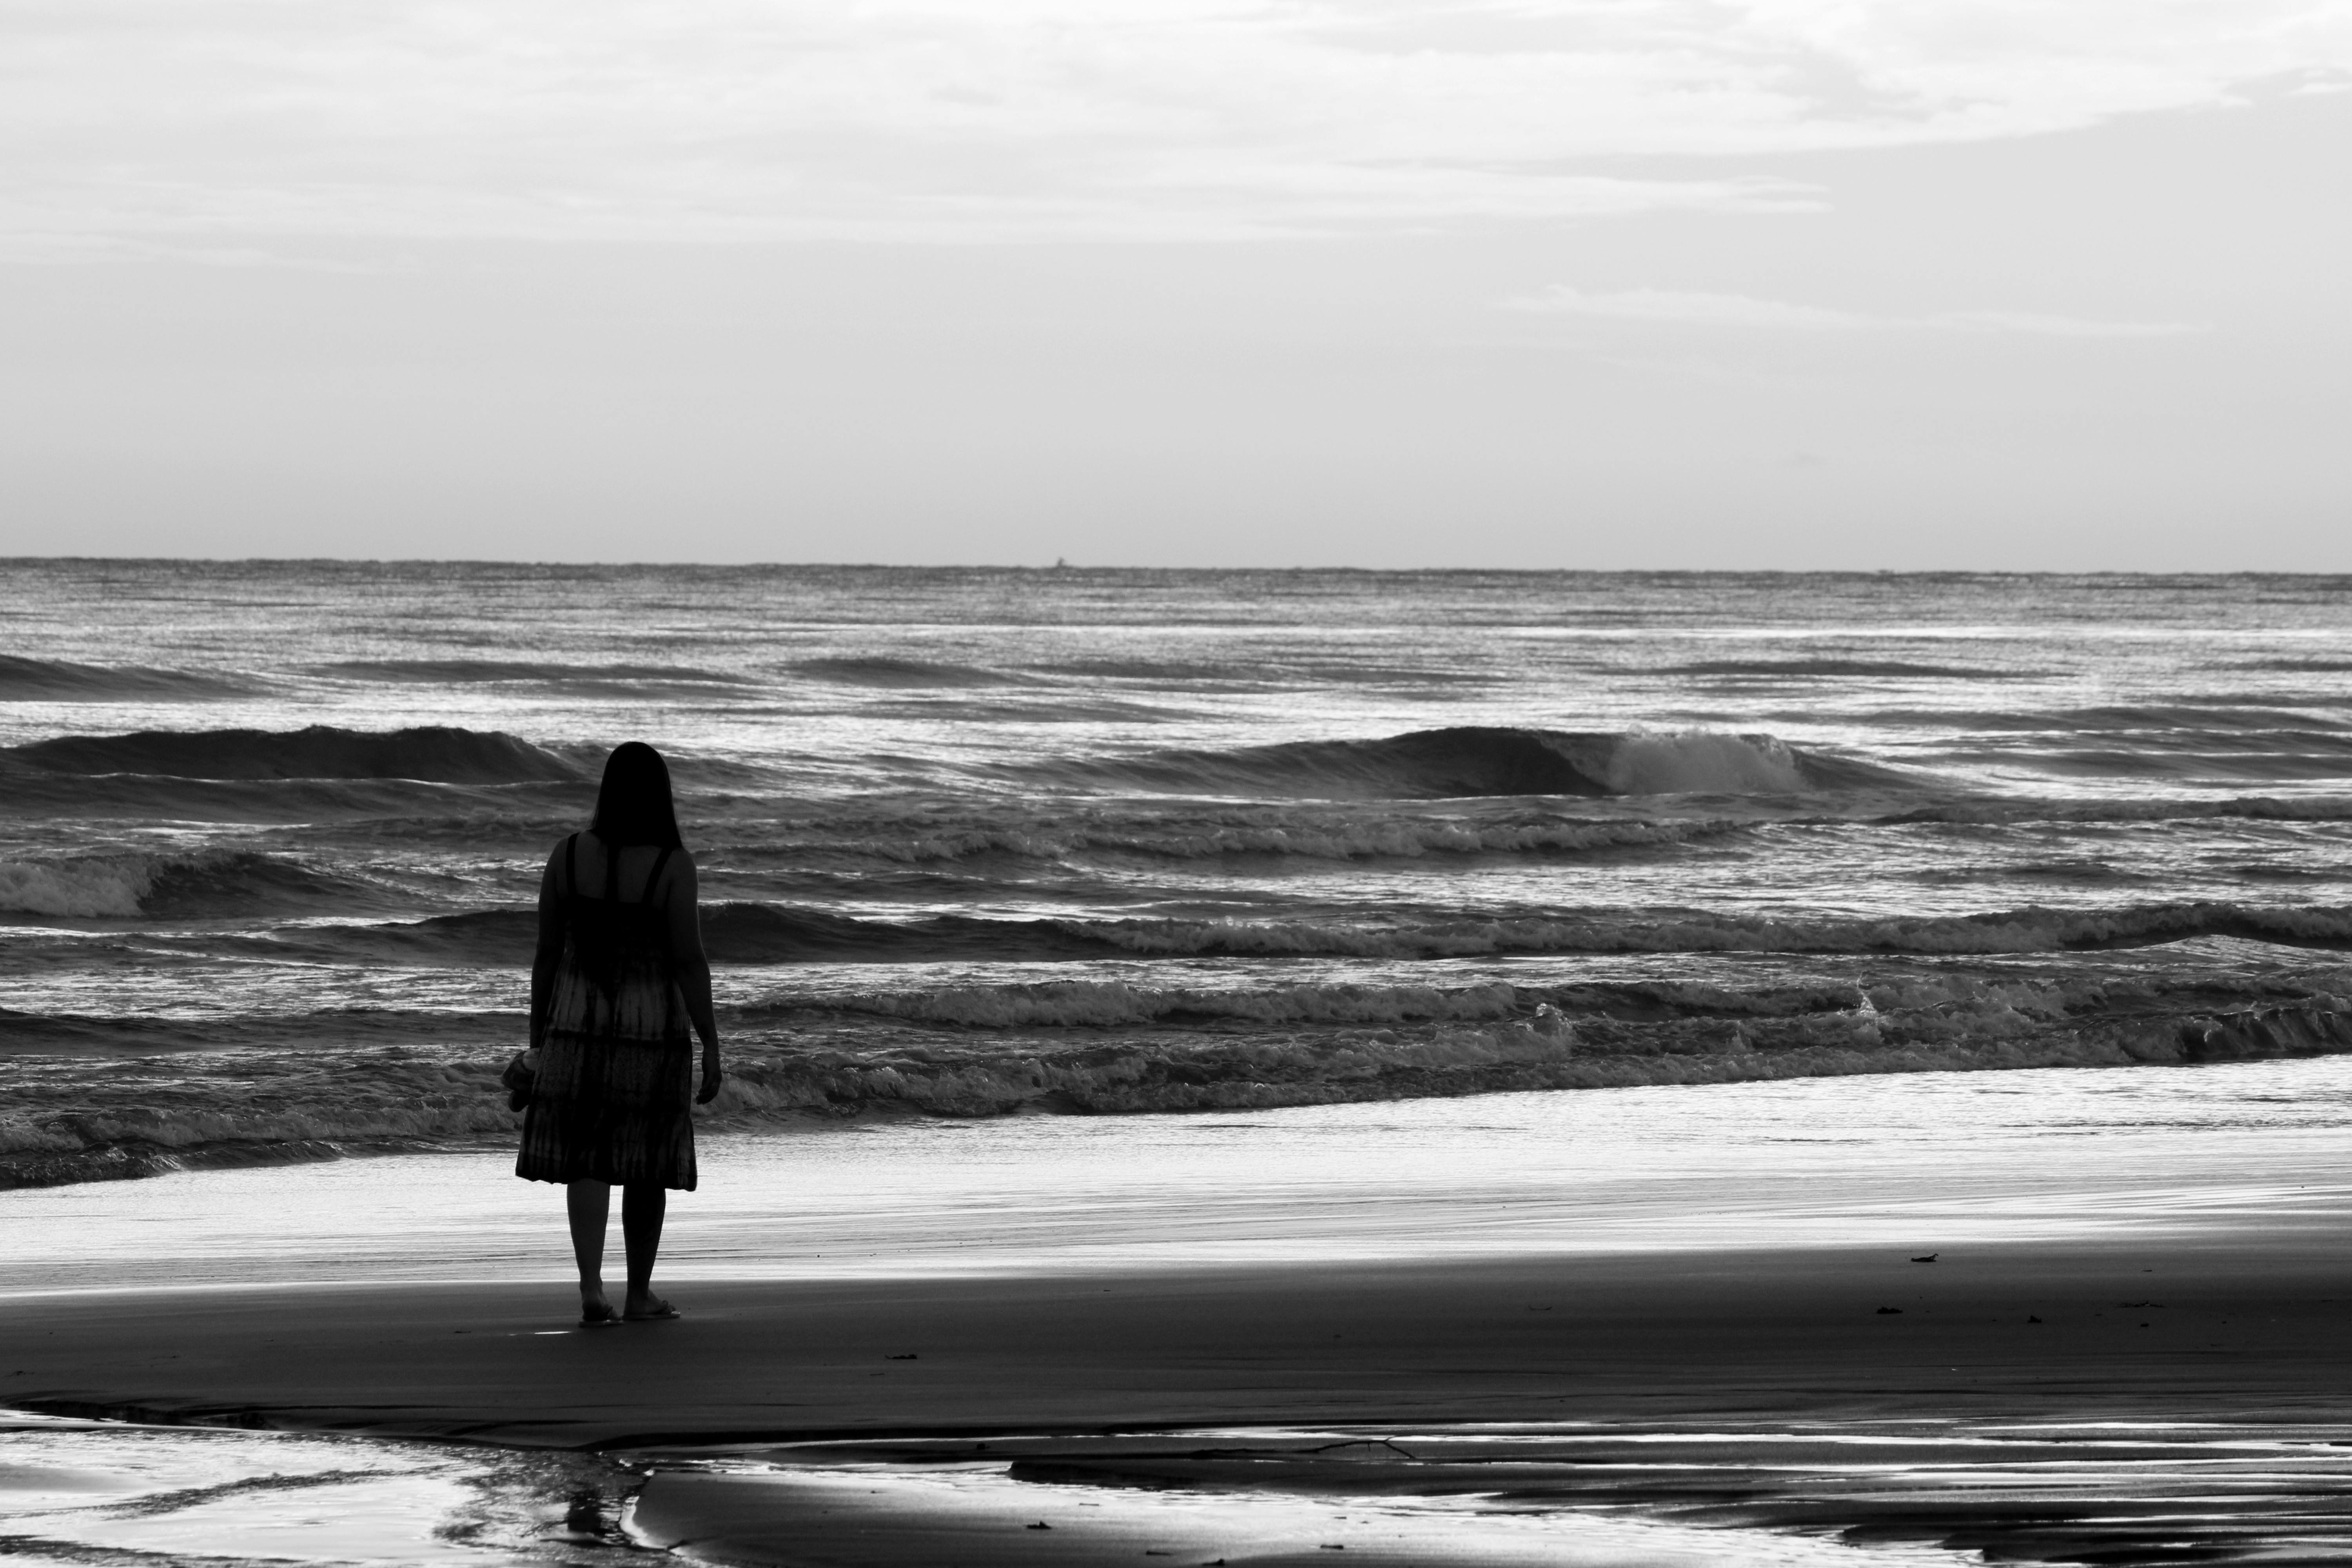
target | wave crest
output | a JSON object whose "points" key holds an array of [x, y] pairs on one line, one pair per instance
{"points": [[209, 884], [1469, 761], [88, 887], [57, 680], [1702, 763], [434, 753], [2031, 929], [756, 933], [1114, 1049]]}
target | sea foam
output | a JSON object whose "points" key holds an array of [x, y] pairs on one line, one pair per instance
{"points": [[202, 884], [1107, 1053]]}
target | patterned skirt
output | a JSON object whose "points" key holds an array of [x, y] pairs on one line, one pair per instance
{"points": [[635, 1128], [614, 1099]]}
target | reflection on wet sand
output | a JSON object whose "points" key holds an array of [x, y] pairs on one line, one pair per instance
{"points": [[76, 1492], [1863, 1493], [1876, 1492]]}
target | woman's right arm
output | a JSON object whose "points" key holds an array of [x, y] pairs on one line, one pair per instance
{"points": [[549, 951], [693, 968]]}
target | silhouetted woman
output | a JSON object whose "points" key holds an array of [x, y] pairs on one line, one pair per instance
{"points": [[619, 975]]}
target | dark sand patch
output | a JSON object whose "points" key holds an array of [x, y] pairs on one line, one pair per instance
{"points": [[1098, 1376], [2246, 1330]]}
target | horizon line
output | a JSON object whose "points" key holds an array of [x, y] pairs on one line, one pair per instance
{"points": [[1072, 567], [1107, 568]]}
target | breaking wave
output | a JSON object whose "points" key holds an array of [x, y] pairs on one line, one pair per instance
{"points": [[1474, 761], [1547, 1050], [208, 884], [2031, 929], [1292, 836], [1093, 1048], [756, 933], [732, 932], [434, 753], [239, 1109], [53, 680], [1350, 831], [424, 807]]}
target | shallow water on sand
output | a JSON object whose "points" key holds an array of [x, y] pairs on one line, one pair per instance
{"points": [[79, 1493], [85, 1492], [1888, 1493], [1878, 1495], [1920, 1162]]}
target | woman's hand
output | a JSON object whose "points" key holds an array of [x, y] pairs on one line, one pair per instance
{"points": [[711, 1078]]}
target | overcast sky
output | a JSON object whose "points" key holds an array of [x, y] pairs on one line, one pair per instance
{"points": [[1801, 283]]}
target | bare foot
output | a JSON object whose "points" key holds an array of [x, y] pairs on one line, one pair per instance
{"points": [[594, 1308], [644, 1307]]}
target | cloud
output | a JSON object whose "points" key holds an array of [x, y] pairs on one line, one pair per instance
{"points": [[1101, 119], [2060, 326], [1691, 308], [1688, 308]]}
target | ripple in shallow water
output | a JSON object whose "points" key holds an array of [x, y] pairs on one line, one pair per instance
{"points": [[93, 1492]]}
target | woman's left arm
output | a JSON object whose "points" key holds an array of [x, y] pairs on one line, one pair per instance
{"points": [[693, 967]]}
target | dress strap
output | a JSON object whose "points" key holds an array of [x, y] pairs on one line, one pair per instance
{"points": [[571, 864], [612, 870], [654, 876]]}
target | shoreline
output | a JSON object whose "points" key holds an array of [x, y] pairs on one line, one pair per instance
{"points": [[1950, 1161]]}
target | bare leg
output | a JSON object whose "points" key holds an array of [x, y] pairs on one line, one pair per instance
{"points": [[642, 1208], [589, 1204]]}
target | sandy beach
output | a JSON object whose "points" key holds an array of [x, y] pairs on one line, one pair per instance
{"points": [[1091, 1370], [2236, 1329], [1185, 1352]]}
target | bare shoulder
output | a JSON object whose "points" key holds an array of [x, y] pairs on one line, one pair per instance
{"points": [[679, 876]]}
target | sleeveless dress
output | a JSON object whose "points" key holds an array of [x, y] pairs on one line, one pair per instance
{"points": [[614, 1098]]}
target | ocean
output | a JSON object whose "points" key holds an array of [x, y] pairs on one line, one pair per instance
{"points": [[994, 843]]}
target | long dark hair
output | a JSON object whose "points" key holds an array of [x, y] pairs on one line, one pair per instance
{"points": [[634, 805]]}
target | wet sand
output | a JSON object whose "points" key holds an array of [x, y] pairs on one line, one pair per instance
{"points": [[2199, 1327], [2246, 1330]]}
